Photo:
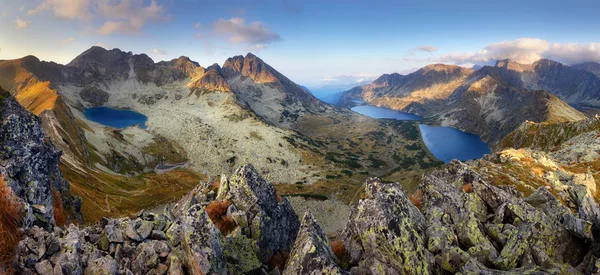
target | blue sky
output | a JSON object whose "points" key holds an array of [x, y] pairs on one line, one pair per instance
{"points": [[309, 41]]}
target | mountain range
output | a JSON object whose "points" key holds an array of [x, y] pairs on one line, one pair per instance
{"points": [[78, 197], [491, 101], [207, 120]]}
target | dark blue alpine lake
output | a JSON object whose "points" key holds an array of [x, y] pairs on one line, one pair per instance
{"points": [[115, 118], [445, 143]]}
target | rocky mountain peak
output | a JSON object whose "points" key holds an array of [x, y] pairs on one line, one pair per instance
{"points": [[214, 67], [445, 68], [513, 66], [252, 67]]}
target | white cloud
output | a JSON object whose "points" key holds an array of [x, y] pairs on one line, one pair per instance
{"points": [[128, 17], [159, 53], [427, 48], [527, 51], [67, 9], [68, 40], [21, 24], [197, 25], [4, 14], [117, 16], [254, 34]]}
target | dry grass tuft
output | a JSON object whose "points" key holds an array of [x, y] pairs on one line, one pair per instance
{"points": [[278, 260], [467, 188], [59, 212], [217, 212], [10, 220], [417, 199], [339, 250], [214, 186]]}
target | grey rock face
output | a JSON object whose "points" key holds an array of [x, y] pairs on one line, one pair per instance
{"points": [[29, 164], [385, 233], [201, 243], [94, 96], [272, 222], [312, 253]]}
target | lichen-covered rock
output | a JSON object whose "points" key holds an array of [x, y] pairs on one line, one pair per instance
{"points": [[102, 266], [241, 254], [145, 259], [202, 248], [29, 163], [312, 253], [271, 220], [385, 232], [497, 229]]}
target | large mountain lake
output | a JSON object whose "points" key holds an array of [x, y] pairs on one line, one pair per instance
{"points": [[445, 143], [114, 117]]}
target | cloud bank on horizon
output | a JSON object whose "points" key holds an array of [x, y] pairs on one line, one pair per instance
{"points": [[526, 51], [305, 40]]}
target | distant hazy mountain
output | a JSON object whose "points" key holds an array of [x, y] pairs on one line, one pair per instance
{"points": [[332, 88], [491, 101], [592, 67]]}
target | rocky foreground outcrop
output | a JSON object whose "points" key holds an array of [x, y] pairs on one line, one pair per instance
{"points": [[465, 226], [29, 165]]}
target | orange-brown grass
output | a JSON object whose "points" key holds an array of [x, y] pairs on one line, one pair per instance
{"points": [[339, 250], [59, 212], [214, 186], [467, 188], [108, 195], [417, 199], [10, 220], [278, 260], [217, 212]]}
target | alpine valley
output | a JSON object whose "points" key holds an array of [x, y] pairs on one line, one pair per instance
{"points": [[236, 169]]}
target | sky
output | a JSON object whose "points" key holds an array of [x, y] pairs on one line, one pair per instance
{"points": [[311, 42]]}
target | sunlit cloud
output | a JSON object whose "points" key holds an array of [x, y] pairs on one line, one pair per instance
{"points": [[256, 35], [128, 17], [522, 50], [159, 53], [67, 9], [117, 16], [68, 40], [21, 24]]}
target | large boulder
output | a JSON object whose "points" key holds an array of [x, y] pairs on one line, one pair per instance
{"points": [[385, 233], [269, 219], [312, 253], [203, 251]]}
